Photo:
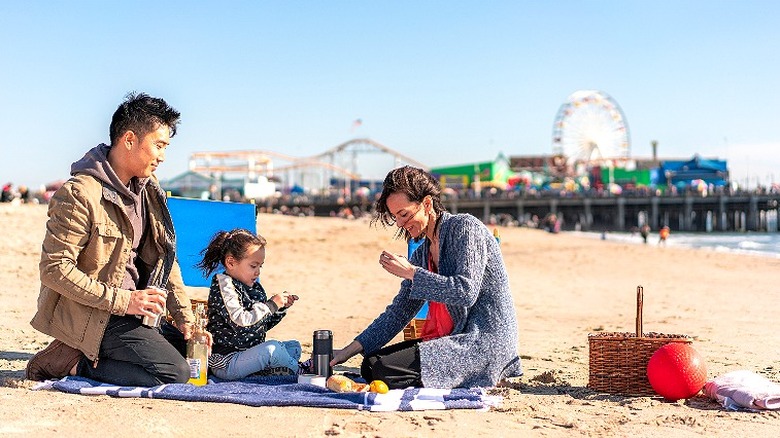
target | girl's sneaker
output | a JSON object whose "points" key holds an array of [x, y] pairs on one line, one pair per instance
{"points": [[305, 367]]}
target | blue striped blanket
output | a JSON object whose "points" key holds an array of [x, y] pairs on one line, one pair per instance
{"points": [[285, 391]]}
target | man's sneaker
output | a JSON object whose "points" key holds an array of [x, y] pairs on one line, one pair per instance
{"points": [[53, 362]]}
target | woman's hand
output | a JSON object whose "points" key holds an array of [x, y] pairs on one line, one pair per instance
{"points": [[343, 355], [397, 265]]}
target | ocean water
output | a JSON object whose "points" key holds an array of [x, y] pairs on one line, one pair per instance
{"points": [[757, 244]]}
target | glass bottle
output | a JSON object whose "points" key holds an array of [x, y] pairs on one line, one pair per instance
{"points": [[197, 349]]}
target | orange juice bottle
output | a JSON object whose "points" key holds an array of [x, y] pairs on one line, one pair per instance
{"points": [[197, 350]]}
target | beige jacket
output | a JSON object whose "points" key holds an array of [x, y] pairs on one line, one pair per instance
{"points": [[83, 259]]}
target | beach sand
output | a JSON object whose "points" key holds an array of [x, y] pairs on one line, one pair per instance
{"points": [[564, 288]]}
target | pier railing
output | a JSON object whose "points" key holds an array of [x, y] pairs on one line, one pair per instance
{"points": [[687, 212]]}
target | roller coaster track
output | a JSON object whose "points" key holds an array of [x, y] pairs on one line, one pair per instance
{"points": [[260, 161], [374, 144]]}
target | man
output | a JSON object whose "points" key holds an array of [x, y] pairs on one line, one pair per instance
{"points": [[109, 242]]}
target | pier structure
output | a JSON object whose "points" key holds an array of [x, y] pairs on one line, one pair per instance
{"points": [[681, 213], [720, 213]]}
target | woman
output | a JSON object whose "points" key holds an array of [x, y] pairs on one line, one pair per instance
{"points": [[470, 337]]}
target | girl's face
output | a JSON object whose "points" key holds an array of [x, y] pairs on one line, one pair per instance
{"points": [[246, 270], [407, 214]]}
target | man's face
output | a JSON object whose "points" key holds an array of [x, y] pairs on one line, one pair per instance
{"points": [[150, 152]]}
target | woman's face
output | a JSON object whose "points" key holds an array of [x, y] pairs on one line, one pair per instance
{"points": [[407, 214]]}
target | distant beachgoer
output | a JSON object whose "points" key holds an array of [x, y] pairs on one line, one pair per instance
{"points": [[470, 335], [644, 231], [24, 194], [663, 234], [8, 193]]}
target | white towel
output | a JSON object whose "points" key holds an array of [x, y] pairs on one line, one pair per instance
{"points": [[744, 389]]}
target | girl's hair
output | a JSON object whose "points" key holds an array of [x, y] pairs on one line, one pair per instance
{"points": [[224, 243], [416, 184]]}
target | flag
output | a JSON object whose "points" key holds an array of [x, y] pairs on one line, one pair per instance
{"points": [[356, 124]]}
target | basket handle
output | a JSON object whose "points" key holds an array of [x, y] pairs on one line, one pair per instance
{"points": [[639, 299]]}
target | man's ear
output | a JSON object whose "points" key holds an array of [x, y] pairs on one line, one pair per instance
{"points": [[129, 139]]}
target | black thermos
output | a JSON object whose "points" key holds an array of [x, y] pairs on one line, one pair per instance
{"points": [[322, 353]]}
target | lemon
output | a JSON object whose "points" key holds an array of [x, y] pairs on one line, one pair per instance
{"points": [[379, 387]]}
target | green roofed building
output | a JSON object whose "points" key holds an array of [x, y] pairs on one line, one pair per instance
{"points": [[623, 177], [490, 174]]}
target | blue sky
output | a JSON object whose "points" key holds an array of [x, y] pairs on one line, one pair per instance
{"points": [[445, 82]]}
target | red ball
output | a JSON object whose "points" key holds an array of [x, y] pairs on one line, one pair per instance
{"points": [[676, 371]]}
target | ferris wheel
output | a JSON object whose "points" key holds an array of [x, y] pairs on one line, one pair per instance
{"points": [[591, 127]]}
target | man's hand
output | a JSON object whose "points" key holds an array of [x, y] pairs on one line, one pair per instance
{"points": [[147, 302], [187, 329]]}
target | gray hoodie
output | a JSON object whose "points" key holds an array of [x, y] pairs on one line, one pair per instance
{"points": [[95, 163]]}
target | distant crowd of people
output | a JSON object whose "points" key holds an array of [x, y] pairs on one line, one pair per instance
{"points": [[19, 194]]}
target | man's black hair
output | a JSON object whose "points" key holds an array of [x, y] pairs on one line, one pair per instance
{"points": [[142, 114]]}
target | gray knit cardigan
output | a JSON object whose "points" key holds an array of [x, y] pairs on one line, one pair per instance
{"points": [[472, 282]]}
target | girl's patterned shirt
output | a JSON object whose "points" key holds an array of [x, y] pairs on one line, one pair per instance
{"points": [[239, 315]]}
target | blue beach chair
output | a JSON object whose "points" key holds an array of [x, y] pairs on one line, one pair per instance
{"points": [[196, 221]]}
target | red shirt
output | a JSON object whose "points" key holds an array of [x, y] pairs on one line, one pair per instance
{"points": [[439, 322]]}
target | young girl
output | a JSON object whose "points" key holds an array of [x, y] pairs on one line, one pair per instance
{"points": [[239, 312]]}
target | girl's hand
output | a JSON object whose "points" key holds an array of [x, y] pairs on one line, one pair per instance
{"points": [[291, 299], [284, 299], [397, 265]]}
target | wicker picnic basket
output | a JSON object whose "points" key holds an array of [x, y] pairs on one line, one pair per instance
{"points": [[194, 303], [618, 361], [413, 330]]}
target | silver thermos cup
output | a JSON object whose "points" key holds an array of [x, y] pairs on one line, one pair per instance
{"points": [[154, 321], [322, 353]]}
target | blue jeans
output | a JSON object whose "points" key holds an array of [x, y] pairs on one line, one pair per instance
{"points": [[269, 354], [132, 354]]}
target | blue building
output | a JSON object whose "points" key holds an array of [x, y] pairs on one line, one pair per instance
{"points": [[682, 173]]}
